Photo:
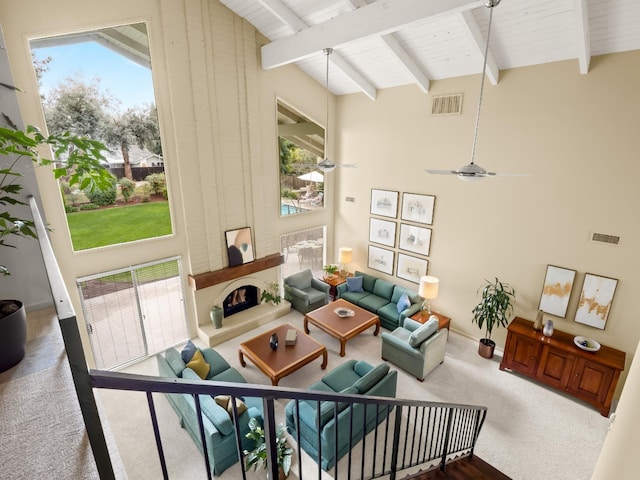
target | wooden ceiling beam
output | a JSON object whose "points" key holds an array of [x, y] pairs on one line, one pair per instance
{"points": [[480, 43], [399, 53], [295, 23], [373, 20], [583, 41]]}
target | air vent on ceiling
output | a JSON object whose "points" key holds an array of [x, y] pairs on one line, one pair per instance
{"points": [[447, 104], [604, 238]]}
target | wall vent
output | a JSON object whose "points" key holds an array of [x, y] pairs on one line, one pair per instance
{"points": [[446, 104], [604, 238]]}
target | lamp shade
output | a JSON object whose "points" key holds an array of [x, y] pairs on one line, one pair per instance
{"points": [[345, 255], [429, 287]]}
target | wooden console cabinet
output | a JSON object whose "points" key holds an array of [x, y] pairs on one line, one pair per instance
{"points": [[556, 361]]}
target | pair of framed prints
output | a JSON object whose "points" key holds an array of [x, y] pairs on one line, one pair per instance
{"points": [[411, 237], [595, 300]]}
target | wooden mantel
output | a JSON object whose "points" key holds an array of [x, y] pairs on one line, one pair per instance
{"points": [[207, 279]]}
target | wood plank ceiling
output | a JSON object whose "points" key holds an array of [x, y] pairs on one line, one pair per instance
{"points": [[386, 43]]}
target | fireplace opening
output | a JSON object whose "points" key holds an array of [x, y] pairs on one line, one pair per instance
{"points": [[240, 299]]}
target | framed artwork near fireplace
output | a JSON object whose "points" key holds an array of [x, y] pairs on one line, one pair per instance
{"points": [[239, 246]]}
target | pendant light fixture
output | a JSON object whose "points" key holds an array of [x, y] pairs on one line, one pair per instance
{"points": [[327, 165], [472, 171]]}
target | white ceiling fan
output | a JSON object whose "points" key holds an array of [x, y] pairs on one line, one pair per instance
{"points": [[326, 165], [472, 171]]}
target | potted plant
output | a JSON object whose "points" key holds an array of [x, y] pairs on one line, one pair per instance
{"points": [[257, 458], [330, 270], [494, 310], [271, 294], [82, 167]]}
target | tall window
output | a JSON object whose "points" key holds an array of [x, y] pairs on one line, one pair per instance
{"points": [[301, 144], [304, 249], [98, 84]]}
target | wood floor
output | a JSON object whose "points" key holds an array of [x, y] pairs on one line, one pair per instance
{"points": [[468, 468]]}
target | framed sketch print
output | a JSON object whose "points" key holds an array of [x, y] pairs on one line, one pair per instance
{"points": [[417, 208], [411, 268], [382, 231], [381, 259], [239, 246], [415, 239], [595, 300], [556, 290], [384, 203]]}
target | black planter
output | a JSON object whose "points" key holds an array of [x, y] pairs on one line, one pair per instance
{"points": [[13, 333]]}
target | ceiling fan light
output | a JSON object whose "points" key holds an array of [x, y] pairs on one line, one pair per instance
{"points": [[470, 178], [326, 167]]}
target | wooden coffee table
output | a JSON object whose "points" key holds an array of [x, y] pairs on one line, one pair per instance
{"points": [[341, 328], [279, 363]]}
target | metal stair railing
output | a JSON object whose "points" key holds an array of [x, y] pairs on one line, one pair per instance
{"points": [[406, 433], [410, 433]]}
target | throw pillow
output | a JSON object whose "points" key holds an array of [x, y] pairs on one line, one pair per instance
{"points": [[174, 360], [354, 284], [216, 414], [403, 303], [423, 332], [367, 382], [225, 402], [188, 351], [198, 365]]}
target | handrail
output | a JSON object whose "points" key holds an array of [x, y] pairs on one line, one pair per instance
{"points": [[441, 431], [73, 346]]}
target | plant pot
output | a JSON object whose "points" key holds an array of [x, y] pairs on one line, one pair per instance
{"points": [[13, 333], [486, 348], [216, 315]]}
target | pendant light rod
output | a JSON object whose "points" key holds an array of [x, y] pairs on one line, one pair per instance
{"points": [[327, 52], [490, 4]]}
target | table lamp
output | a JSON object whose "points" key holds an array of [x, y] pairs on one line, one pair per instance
{"points": [[344, 257], [428, 290]]}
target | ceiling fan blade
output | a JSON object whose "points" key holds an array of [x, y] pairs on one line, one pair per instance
{"points": [[441, 172], [347, 165]]}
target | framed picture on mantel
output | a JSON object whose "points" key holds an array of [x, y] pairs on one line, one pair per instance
{"points": [[239, 246]]}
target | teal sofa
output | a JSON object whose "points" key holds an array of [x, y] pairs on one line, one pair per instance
{"points": [[218, 425], [381, 297], [305, 292], [352, 377]]}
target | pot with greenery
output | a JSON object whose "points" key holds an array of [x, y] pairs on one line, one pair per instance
{"points": [[494, 310], [330, 270], [271, 294], [82, 166], [257, 458]]}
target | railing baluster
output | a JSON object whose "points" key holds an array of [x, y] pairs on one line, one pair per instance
{"points": [[156, 433], [203, 439], [236, 430], [270, 434]]}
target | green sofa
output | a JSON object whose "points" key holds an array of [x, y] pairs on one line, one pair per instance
{"points": [[381, 297], [218, 425], [352, 377]]}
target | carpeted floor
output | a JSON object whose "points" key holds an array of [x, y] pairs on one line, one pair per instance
{"points": [[42, 434], [531, 432]]}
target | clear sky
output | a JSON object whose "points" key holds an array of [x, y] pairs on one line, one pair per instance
{"points": [[125, 80]]}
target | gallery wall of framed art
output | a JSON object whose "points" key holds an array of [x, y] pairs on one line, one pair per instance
{"points": [[400, 233]]}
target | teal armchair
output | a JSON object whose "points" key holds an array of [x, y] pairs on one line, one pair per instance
{"points": [[415, 347], [305, 292]]}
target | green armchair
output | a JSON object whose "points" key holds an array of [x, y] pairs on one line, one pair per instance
{"points": [[305, 292], [415, 347]]}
